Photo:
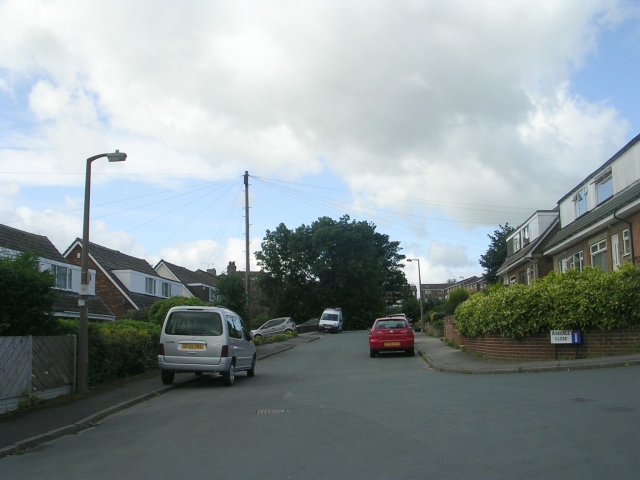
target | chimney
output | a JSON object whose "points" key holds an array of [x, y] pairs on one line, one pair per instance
{"points": [[212, 271]]}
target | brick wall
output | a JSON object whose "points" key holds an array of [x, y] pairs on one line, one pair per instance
{"points": [[105, 289], [595, 343], [635, 234]]}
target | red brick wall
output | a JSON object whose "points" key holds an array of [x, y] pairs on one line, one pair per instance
{"points": [[635, 233], [595, 343], [105, 289]]}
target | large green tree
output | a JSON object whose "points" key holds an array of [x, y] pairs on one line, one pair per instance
{"points": [[27, 297], [496, 253], [232, 293], [331, 263]]}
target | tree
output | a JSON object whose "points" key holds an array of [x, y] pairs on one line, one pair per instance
{"points": [[232, 293], [456, 297], [158, 311], [27, 297], [496, 253], [331, 263]]}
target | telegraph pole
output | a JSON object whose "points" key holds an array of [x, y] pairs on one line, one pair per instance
{"points": [[246, 229]]}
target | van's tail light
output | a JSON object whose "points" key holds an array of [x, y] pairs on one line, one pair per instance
{"points": [[225, 351], [161, 349]]}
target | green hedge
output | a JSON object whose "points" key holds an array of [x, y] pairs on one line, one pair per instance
{"points": [[118, 349], [592, 299]]}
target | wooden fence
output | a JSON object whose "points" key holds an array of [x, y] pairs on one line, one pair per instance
{"points": [[42, 367]]}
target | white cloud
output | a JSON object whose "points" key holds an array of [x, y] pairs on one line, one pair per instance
{"points": [[464, 106]]}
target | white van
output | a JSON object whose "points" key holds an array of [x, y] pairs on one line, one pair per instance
{"points": [[331, 320], [205, 340]]}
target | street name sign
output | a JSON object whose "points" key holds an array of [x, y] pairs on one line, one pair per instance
{"points": [[565, 336]]}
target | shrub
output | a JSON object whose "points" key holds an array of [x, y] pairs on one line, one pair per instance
{"points": [[118, 349], [592, 299], [158, 311]]}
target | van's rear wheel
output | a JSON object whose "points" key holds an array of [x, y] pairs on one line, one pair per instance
{"points": [[229, 376], [167, 376]]}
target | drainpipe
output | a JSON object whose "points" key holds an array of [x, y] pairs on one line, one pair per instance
{"points": [[633, 262]]}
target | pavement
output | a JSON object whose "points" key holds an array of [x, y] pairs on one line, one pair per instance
{"points": [[23, 429]]}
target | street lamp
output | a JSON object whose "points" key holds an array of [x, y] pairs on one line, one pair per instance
{"points": [[83, 324], [420, 289]]}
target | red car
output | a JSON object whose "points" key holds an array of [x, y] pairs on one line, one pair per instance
{"points": [[391, 334]]}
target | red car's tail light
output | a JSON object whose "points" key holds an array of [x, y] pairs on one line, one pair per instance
{"points": [[161, 349], [225, 351]]}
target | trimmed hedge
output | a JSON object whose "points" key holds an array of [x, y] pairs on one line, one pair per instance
{"points": [[559, 301], [119, 349]]}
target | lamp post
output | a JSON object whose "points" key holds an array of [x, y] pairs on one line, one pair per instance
{"points": [[83, 324], [420, 290]]}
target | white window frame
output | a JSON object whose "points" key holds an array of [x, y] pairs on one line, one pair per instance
{"points": [[598, 248], [615, 251], [602, 180], [512, 279], [516, 242], [150, 286], [166, 289], [529, 275], [580, 201], [626, 243], [525, 236], [62, 273], [562, 265], [576, 260]]}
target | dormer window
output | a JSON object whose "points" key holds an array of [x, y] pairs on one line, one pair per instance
{"points": [[580, 202], [516, 242], [166, 289], [604, 186], [150, 286], [525, 236], [62, 276]]}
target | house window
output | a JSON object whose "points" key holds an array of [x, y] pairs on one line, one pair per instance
{"points": [[626, 243], [516, 242], [604, 186], [522, 277], [580, 201], [166, 289], [212, 294], [576, 261], [599, 255], [62, 276], [615, 252], [150, 286], [562, 265], [525, 236], [512, 279], [529, 275]]}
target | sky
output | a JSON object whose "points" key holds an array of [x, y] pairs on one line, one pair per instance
{"points": [[436, 121]]}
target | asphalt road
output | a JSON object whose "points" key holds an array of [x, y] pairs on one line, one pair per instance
{"points": [[327, 410]]}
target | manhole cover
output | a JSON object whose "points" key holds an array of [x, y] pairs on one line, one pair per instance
{"points": [[581, 400], [270, 411], [620, 409]]}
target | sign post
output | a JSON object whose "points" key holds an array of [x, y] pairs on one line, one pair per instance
{"points": [[571, 337]]}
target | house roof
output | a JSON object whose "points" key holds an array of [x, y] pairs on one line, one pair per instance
{"points": [[626, 196], [115, 260], [189, 277], [68, 302], [14, 239], [110, 260], [602, 167], [526, 250]]}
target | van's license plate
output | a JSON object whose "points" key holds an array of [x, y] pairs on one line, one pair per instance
{"points": [[192, 346], [391, 344]]}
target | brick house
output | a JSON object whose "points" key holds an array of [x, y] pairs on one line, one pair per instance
{"points": [[125, 283], [600, 217], [471, 285], [67, 275], [200, 284], [434, 290], [525, 261]]}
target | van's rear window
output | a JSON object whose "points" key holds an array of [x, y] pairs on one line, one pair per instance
{"points": [[330, 316], [194, 323]]}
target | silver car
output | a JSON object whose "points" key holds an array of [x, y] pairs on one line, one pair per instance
{"points": [[276, 325], [205, 340]]}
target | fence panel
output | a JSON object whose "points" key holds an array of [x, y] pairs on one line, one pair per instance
{"points": [[15, 366], [41, 366]]}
